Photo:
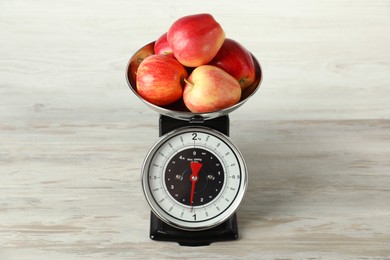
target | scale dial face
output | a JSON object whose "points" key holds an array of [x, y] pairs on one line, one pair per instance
{"points": [[194, 178]]}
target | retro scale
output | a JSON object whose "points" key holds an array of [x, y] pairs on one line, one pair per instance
{"points": [[193, 177]]}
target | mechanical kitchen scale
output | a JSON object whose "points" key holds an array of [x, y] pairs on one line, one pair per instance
{"points": [[193, 177]]}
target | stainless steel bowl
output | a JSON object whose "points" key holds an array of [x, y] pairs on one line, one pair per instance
{"points": [[178, 110]]}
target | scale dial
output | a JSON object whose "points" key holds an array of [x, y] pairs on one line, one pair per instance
{"points": [[194, 178]]}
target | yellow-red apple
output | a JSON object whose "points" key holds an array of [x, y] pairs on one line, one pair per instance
{"points": [[162, 46], [236, 60], [209, 89], [195, 39], [160, 79]]}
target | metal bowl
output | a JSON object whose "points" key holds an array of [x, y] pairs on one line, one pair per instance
{"points": [[178, 110]]}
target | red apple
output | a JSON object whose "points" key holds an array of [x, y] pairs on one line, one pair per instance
{"points": [[162, 46], [209, 89], [236, 60], [137, 58], [195, 39], [160, 79]]}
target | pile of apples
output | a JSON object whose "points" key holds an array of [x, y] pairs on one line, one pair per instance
{"points": [[193, 62]]}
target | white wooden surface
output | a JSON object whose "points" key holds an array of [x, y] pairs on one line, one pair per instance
{"points": [[316, 137]]}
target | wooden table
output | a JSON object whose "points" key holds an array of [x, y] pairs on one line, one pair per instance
{"points": [[315, 137]]}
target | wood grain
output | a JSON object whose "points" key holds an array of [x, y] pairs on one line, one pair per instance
{"points": [[315, 137]]}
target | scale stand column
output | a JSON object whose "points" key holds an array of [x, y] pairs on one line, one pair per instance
{"points": [[161, 231]]}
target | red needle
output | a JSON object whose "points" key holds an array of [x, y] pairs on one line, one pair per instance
{"points": [[195, 168]]}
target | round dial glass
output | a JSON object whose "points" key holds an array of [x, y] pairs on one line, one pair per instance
{"points": [[194, 178]]}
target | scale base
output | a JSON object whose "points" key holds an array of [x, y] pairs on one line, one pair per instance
{"points": [[161, 231]]}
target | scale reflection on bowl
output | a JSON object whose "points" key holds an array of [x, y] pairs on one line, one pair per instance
{"points": [[193, 177]]}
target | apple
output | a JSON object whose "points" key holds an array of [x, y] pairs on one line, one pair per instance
{"points": [[160, 79], [236, 60], [195, 39], [162, 46], [209, 89]]}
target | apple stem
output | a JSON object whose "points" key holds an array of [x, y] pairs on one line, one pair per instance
{"points": [[186, 81]]}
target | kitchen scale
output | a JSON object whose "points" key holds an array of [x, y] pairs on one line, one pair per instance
{"points": [[194, 178]]}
